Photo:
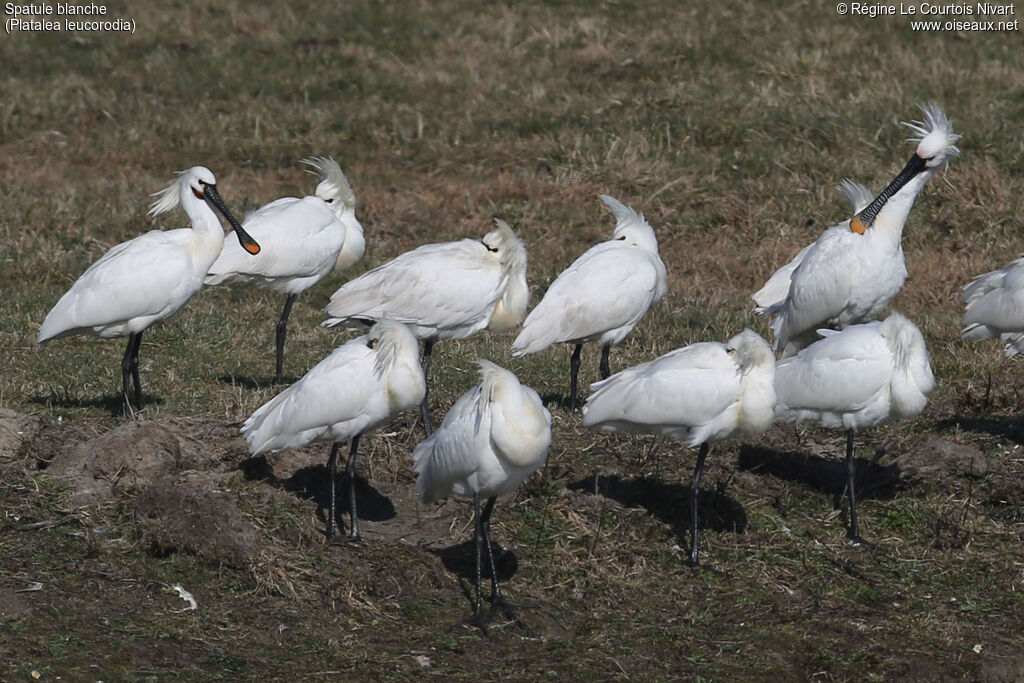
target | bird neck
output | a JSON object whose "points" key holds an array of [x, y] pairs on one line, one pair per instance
{"points": [[511, 307], [893, 215]]}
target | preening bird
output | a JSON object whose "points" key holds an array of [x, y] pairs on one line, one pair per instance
{"points": [[441, 291], [995, 307], [601, 296], [854, 269], [303, 239], [148, 278], [494, 437], [361, 386], [863, 376], [775, 291], [698, 394]]}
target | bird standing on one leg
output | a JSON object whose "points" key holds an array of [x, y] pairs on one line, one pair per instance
{"points": [[441, 291], [854, 269], [148, 278], [600, 297], [863, 376], [494, 437], [304, 240], [699, 394], [364, 384]]}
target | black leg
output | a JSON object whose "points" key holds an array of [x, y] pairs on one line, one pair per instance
{"points": [[130, 374], [694, 493], [350, 470], [282, 331], [574, 373], [478, 619], [606, 371], [136, 380], [851, 471], [497, 600], [428, 348], [332, 467]]}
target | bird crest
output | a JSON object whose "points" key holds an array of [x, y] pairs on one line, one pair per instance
{"points": [[169, 198], [935, 137], [333, 182]]}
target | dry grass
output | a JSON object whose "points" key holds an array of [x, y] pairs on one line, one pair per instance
{"points": [[727, 124]]}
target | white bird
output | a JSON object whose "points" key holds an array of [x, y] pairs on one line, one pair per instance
{"points": [[494, 437], [304, 240], [148, 278], [774, 292], [995, 307], [361, 386], [601, 296], [441, 291], [863, 376], [699, 394], [854, 269]]}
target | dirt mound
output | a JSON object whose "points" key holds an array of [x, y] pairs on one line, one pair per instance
{"points": [[935, 459], [189, 515], [15, 430], [129, 456]]}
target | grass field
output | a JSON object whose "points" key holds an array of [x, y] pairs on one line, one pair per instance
{"points": [[727, 123]]}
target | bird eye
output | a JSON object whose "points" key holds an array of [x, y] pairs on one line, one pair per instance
{"points": [[372, 343], [330, 201], [621, 239], [491, 249]]}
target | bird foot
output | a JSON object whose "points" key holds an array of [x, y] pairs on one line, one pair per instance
{"points": [[477, 620], [706, 569], [859, 542], [347, 541], [500, 604]]}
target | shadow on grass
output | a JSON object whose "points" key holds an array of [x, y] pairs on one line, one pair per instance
{"points": [[110, 403], [823, 474], [669, 503], [312, 483], [460, 559], [1007, 427]]}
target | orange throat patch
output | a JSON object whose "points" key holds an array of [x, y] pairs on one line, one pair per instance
{"points": [[857, 225]]}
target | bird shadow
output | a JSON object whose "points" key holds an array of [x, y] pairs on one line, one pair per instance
{"points": [[255, 383], [312, 483], [560, 401], [1006, 427], [827, 475], [110, 403], [669, 503], [460, 559]]}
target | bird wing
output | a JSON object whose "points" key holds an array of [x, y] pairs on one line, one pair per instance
{"points": [[820, 285], [299, 238], [609, 286], [687, 388], [441, 287], [770, 297], [338, 396], [841, 373], [451, 455], [145, 276], [996, 300]]}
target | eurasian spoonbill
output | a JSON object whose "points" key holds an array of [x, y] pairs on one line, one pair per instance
{"points": [[148, 278], [304, 240], [862, 376], [995, 307], [601, 296], [441, 291], [854, 269], [698, 394], [494, 437], [361, 386]]}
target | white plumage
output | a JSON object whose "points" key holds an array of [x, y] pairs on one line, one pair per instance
{"points": [[854, 269], [148, 278], [698, 394], [441, 291], [362, 385], [601, 296], [494, 437], [863, 376], [995, 307], [303, 239]]}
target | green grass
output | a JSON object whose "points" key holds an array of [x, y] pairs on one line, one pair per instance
{"points": [[727, 124]]}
